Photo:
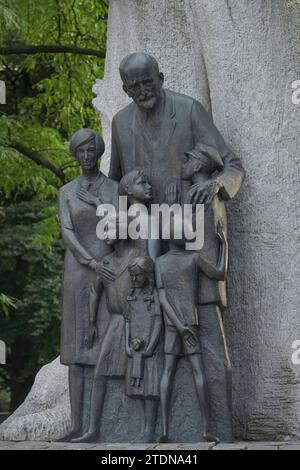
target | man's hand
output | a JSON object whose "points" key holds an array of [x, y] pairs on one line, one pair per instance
{"points": [[172, 192], [203, 193], [87, 197], [92, 335]]}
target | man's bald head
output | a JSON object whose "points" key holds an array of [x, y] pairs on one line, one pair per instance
{"points": [[141, 78], [138, 61]]}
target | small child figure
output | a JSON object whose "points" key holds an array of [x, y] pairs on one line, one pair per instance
{"points": [[201, 166], [142, 331], [178, 274]]}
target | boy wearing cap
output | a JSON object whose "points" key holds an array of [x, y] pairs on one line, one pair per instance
{"points": [[201, 164]]}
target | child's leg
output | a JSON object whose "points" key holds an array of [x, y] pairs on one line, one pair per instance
{"points": [[201, 390], [218, 369], [165, 392]]}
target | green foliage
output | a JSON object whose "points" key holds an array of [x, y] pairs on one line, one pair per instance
{"points": [[49, 97], [29, 274], [32, 277], [6, 302]]}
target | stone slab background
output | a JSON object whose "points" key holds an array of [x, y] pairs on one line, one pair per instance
{"points": [[239, 58]]}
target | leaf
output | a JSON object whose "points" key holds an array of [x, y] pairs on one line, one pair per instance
{"points": [[5, 302]]}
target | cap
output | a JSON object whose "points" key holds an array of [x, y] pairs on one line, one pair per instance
{"points": [[207, 154]]}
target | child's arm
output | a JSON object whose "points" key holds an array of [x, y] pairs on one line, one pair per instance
{"points": [[219, 271], [127, 330], [169, 310], [156, 330], [127, 338], [183, 330]]}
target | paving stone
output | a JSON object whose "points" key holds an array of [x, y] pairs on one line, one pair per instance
{"points": [[7, 447], [58, 446], [80, 446], [141, 446], [117, 446], [186, 446], [200, 446], [28, 445], [42, 445], [290, 447], [235, 446], [267, 443], [261, 447]]}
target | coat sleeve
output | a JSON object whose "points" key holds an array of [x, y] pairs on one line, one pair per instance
{"points": [[204, 130], [68, 232], [115, 171]]}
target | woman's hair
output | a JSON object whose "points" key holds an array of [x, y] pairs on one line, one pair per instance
{"points": [[83, 136], [129, 180]]}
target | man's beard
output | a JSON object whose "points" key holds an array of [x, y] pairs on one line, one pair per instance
{"points": [[148, 103]]}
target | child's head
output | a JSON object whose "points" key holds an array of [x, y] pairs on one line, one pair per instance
{"points": [[136, 186], [141, 270], [112, 225], [202, 158], [180, 229]]}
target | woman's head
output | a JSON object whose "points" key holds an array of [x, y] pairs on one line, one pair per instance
{"points": [[87, 147]]}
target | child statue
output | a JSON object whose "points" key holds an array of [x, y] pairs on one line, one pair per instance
{"points": [[143, 329], [177, 275]]}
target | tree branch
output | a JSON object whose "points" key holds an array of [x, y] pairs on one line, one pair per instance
{"points": [[50, 49], [39, 159]]}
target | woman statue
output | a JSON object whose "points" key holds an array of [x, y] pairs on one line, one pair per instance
{"points": [[77, 215]]}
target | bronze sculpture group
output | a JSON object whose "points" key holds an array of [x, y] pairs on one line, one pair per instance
{"points": [[160, 301]]}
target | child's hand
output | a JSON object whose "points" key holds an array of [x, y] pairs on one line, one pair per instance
{"points": [[188, 336], [172, 194]]}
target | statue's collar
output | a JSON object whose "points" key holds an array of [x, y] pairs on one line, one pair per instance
{"points": [[91, 184]]}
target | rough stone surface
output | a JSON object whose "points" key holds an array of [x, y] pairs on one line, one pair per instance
{"points": [[45, 414], [239, 58]]}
